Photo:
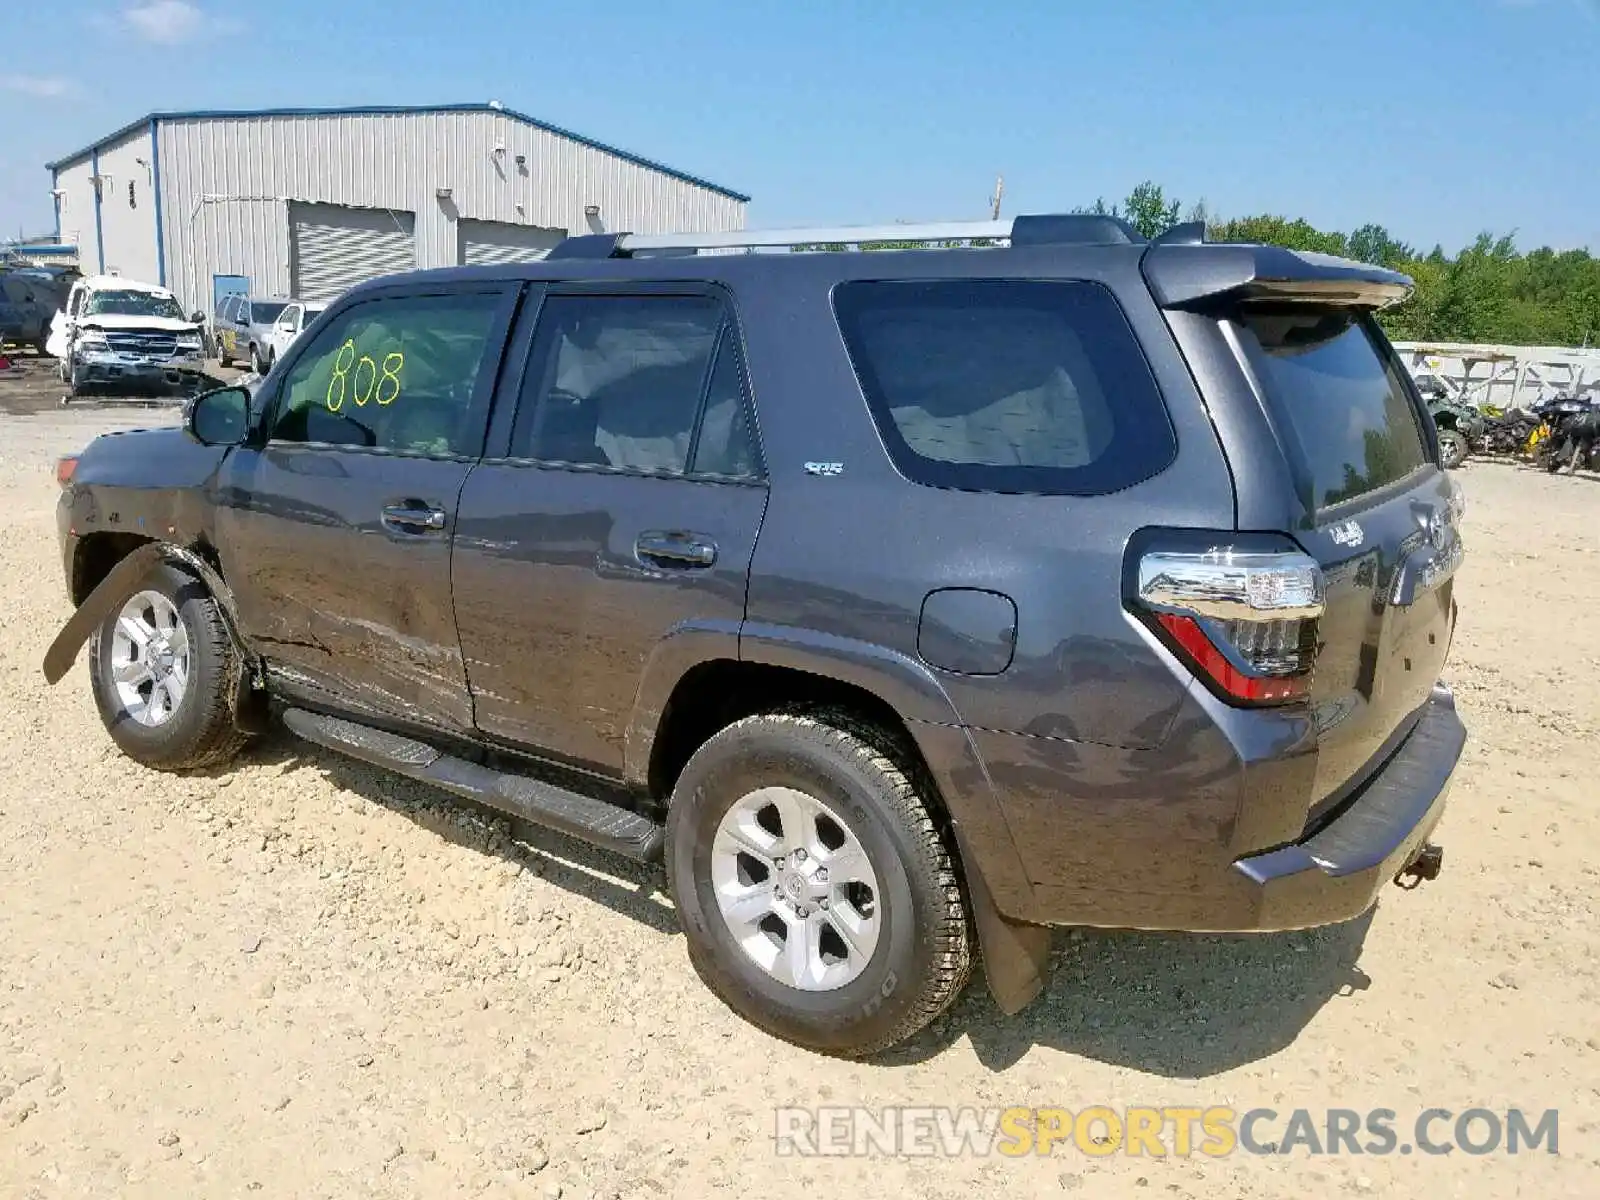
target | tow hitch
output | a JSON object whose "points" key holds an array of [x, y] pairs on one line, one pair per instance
{"points": [[1425, 866]]}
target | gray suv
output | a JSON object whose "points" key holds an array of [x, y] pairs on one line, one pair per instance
{"points": [[244, 329], [901, 604]]}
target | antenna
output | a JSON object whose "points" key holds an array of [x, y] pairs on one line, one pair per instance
{"points": [[999, 190]]}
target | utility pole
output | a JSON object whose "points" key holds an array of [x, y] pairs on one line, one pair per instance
{"points": [[999, 190]]}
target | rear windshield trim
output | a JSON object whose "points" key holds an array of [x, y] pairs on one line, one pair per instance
{"points": [[1144, 440]]}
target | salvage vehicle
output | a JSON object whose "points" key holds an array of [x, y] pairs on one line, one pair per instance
{"points": [[1511, 433], [1460, 427], [902, 605], [1571, 434], [244, 327], [28, 301], [116, 332], [294, 320]]}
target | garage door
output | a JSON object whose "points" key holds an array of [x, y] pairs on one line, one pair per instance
{"points": [[334, 247], [483, 242]]}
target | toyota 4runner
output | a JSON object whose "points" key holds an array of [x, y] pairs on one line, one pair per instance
{"points": [[903, 603]]}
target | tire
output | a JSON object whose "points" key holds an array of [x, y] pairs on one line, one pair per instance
{"points": [[199, 730], [866, 802], [256, 365], [1453, 448]]}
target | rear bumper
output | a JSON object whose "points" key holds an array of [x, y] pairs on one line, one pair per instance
{"points": [[1337, 872], [1203, 834]]}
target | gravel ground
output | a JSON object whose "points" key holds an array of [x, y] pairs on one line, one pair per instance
{"points": [[301, 977]]}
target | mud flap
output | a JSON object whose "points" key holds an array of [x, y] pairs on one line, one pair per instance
{"points": [[118, 585], [1016, 957], [246, 700]]}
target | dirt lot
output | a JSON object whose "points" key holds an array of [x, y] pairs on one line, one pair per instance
{"points": [[302, 978]]}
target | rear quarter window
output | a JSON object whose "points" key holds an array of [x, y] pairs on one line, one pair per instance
{"points": [[1006, 385], [1336, 392]]}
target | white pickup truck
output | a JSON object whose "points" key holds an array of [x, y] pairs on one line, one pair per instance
{"points": [[117, 333], [295, 319]]}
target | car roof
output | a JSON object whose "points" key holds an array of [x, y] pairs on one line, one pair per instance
{"points": [[998, 262], [1179, 268], [118, 283]]}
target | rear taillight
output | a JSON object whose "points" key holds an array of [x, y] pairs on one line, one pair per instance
{"points": [[65, 467], [1244, 622]]}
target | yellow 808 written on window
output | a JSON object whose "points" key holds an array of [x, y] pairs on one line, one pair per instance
{"points": [[361, 379]]}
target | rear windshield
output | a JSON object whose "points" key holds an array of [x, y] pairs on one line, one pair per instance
{"points": [[1006, 385], [265, 313], [1339, 396]]}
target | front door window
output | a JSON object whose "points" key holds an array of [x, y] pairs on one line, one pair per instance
{"points": [[396, 374]]}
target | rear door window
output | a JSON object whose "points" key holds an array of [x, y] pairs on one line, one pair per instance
{"points": [[636, 383], [1006, 385], [1337, 393]]}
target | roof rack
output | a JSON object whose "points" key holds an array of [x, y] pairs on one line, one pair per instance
{"points": [[1040, 230]]}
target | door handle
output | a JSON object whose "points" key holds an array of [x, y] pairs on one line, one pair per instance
{"points": [[677, 549], [413, 516]]}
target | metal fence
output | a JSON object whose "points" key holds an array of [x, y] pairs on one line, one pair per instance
{"points": [[1504, 376]]}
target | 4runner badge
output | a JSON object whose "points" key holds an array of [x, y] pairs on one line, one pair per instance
{"points": [[822, 468], [1348, 533]]}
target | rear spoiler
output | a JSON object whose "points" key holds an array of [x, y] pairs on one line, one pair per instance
{"points": [[1197, 276]]}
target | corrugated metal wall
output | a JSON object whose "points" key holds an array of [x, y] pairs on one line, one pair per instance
{"points": [[482, 243], [129, 229], [77, 213], [226, 184]]}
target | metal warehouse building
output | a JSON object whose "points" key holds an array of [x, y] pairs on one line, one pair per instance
{"points": [[307, 202]]}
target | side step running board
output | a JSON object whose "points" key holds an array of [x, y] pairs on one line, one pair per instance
{"points": [[582, 817]]}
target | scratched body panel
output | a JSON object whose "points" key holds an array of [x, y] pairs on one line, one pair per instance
{"points": [[332, 595]]}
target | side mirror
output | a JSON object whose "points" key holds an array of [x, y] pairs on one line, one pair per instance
{"points": [[198, 317], [220, 417]]}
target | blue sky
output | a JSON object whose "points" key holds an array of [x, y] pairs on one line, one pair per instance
{"points": [[1437, 118]]}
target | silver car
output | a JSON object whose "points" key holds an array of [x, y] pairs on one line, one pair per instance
{"points": [[244, 324]]}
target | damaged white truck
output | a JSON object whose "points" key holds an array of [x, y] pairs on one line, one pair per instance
{"points": [[120, 335]]}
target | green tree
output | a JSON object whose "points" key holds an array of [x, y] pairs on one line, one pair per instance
{"points": [[1372, 244], [1489, 291], [1146, 208], [1297, 234], [1149, 211]]}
